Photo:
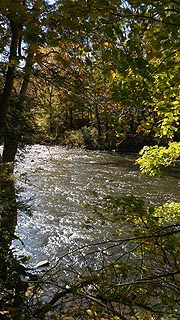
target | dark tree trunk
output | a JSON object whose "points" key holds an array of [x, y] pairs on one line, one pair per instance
{"points": [[10, 269], [6, 94], [8, 217], [51, 127], [98, 121], [11, 140], [70, 119]]}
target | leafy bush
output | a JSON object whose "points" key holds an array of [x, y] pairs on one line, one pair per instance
{"points": [[154, 158], [85, 137], [90, 135], [74, 138]]}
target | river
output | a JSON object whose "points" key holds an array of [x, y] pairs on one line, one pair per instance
{"points": [[54, 181]]}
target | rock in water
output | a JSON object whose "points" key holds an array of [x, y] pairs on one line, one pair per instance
{"points": [[43, 263]]}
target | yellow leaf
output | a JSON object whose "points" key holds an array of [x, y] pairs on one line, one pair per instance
{"points": [[106, 44], [111, 75]]}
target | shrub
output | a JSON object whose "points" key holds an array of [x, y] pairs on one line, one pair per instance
{"points": [[90, 135], [74, 138]]}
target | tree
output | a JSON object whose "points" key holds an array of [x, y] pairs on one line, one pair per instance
{"points": [[20, 21], [18, 49]]}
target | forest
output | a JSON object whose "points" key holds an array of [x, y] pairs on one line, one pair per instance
{"points": [[96, 75]]}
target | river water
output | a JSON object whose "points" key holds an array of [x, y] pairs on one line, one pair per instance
{"points": [[55, 181]]}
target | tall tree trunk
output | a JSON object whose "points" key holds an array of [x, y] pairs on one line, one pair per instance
{"points": [[51, 127], [10, 139], [10, 268], [98, 121], [28, 71], [9, 271], [70, 119], [5, 98]]}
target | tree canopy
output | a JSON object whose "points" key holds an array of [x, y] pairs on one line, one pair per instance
{"points": [[112, 64]]}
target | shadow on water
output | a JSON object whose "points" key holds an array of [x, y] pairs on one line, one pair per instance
{"points": [[12, 287]]}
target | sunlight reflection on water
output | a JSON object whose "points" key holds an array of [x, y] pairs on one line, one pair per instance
{"points": [[57, 180]]}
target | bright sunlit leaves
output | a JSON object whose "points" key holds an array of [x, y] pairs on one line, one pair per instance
{"points": [[154, 158]]}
